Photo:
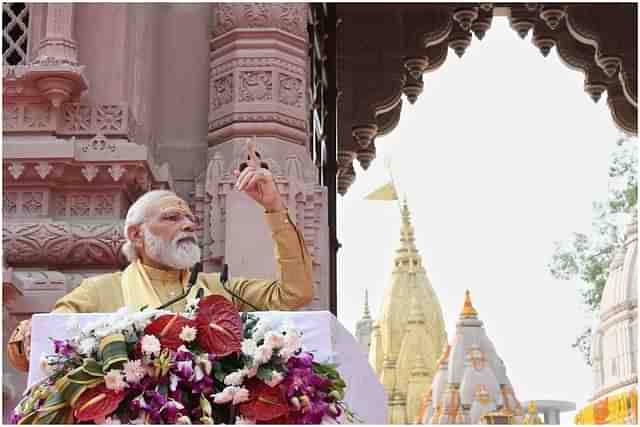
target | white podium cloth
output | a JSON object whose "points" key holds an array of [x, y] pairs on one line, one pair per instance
{"points": [[322, 334]]}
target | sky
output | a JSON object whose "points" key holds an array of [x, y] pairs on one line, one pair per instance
{"points": [[501, 156]]}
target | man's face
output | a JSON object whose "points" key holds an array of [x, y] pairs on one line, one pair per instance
{"points": [[169, 237]]}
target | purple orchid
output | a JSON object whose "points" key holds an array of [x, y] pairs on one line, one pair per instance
{"points": [[63, 348]]}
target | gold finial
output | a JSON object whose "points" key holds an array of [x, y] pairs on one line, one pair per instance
{"points": [[468, 310]]}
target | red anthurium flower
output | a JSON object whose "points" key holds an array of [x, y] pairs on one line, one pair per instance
{"points": [[277, 421], [219, 326], [167, 329], [97, 402], [265, 403]]}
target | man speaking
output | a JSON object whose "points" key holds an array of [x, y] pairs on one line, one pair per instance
{"points": [[161, 247]]}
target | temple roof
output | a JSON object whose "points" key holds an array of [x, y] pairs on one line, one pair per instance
{"points": [[409, 333], [471, 379]]}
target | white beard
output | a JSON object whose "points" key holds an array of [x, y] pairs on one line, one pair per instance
{"points": [[179, 256]]}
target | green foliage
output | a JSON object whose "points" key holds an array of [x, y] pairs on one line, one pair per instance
{"points": [[587, 258]]}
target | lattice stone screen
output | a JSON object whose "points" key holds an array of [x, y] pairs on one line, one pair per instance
{"points": [[15, 25]]}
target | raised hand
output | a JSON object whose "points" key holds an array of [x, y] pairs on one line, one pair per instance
{"points": [[258, 182]]}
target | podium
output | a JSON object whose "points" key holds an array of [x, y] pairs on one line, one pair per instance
{"points": [[323, 335]]}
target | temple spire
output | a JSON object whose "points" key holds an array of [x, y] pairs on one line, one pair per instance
{"points": [[467, 309], [367, 314]]}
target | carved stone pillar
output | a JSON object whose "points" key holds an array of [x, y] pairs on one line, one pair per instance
{"points": [[55, 71], [258, 87], [58, 42]]}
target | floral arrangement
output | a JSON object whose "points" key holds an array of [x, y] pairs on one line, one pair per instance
{"points": [[206, 365]]}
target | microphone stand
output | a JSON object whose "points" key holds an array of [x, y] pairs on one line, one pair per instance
{"points": [[193, 278]]}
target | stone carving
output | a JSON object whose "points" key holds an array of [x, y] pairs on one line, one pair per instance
{"points": [[99, 143], [9, 203], [104, 205], [43, 169], [256, 14], [116, 171], [292, 18], [574, 29], [77, 117], [80, 205], [221, 92], [27, 117], [32, 203], [63, 243], [255, 86], [36, 116], [89, 172], [257, 117], [132, 127], [291, 91], [10, 116], [215, 190], [60, 204], [289, 17], [257, 63], [109, 117], [16, 169], [223, 18], [41, 280]]}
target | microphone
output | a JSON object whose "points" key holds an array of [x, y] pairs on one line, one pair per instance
{"points": [[193, 277], [224, 279]]}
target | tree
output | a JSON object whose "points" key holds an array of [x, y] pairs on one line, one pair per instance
{"points": [[587, 257]]}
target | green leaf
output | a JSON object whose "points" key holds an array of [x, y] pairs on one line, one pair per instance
{"points": [[264, 374]]}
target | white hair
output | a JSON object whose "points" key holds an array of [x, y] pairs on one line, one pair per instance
{"points": [[135, 216]]}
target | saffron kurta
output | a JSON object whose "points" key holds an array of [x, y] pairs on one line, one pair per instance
{"points": [[104, 293]]}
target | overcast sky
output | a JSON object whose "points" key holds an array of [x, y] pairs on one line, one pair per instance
{"points": [[501, 156]]}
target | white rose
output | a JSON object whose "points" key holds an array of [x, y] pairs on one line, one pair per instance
{"points": [[87, 346], [249, 347], [234, 378], [150, 345], [261, 328], [263, 354], [225, 395], [240, 395]]}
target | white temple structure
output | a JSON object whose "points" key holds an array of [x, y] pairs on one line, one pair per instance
{"points": [[614, 349], [471, 384]]}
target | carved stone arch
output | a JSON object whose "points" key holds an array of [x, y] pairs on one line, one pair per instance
{"points": [[482, 23], [589, 29], [580, 56], [437, 25], [389, 120], [615, 49], [544, 38], [437, 55], [623, 113], [597, 44]]}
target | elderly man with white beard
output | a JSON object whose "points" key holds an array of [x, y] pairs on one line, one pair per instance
{"points": [[161, 246]]}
